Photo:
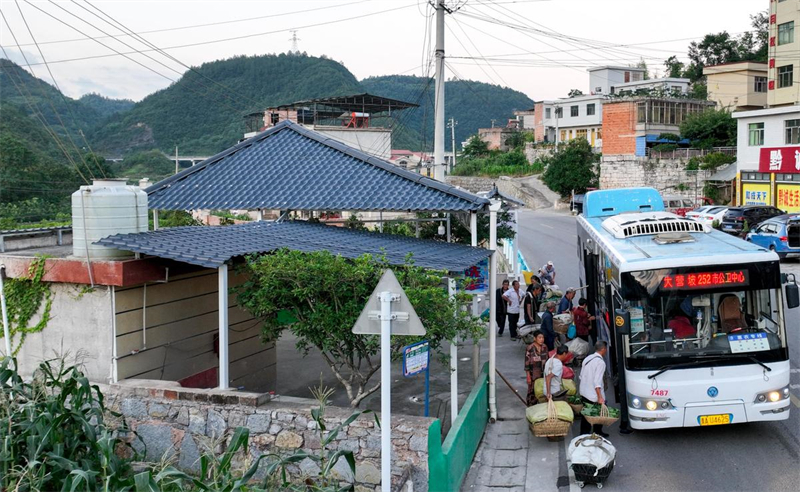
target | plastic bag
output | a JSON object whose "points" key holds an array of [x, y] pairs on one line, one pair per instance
{"points": [[578, 346], [591, 450], [538, 413], [572, 332]]}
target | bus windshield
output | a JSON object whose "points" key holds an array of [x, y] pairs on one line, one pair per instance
{"points": [[689, 314]]}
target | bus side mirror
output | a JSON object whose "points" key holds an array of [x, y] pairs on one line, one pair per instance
{"points": [[792, 295]]}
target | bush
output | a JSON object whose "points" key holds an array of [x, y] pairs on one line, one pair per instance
{"points": [[572, 167], [710, 128], [715, 160], [513, 163]]}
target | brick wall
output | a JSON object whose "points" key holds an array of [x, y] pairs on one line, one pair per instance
{"points": [[619, 133], [179, 422]]}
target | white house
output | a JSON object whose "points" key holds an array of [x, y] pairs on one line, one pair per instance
{"points": [[768, 157]]}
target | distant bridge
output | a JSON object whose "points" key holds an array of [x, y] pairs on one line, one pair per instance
{"points": [[194, 159]]}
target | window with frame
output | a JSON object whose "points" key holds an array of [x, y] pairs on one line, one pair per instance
{"points": [[573, 110], [785, 76], [786, 33], [559, 113], [756, 131], [792, 131], [563, 135], [581, 134], [547, 113], [760, 84], [590, 110]]}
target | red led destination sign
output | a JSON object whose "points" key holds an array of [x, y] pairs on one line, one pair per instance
{"points": [[705, 280]]}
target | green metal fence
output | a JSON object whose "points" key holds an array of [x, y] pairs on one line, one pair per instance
{"points": [[449, 462]]}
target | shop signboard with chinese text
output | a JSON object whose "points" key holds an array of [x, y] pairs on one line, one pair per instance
{"points": [[779, 160], [476, 278], [788, 197], [756, 194]]}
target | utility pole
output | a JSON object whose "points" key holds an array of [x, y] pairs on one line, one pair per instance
{"points": [[438, 134], [294, 39], [176, 159], [452, 126], [556, 108]]}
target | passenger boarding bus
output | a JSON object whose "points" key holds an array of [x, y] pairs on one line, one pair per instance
{"points": [[696, 317]]}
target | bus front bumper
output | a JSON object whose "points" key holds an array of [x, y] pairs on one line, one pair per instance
{"points": [[692, 414]]}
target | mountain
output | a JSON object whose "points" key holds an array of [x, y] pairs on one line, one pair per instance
{"points": [[472, 104], [202, 113], [105, 106], [64, 114]]}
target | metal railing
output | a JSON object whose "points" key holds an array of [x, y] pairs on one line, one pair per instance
{"points": [[689, 153]]}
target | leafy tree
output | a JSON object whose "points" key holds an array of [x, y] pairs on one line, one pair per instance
{"points": [[574, 93], [475, 147], [516, 140], [151, 164], [572, 167], [711, 128], [674, 67], [643, 64], [326, 293]]}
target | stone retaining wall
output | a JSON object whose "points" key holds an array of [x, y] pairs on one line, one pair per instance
{"points": [[505, 184], [668, 176], [181, 422]]}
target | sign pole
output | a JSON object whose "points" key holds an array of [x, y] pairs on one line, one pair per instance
{"points": [[451, 290], [427, 390], [386, 392]]}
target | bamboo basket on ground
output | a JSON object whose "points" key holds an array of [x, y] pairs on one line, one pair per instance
{"points": [[552, 427], [603, 419], [576, 408]]}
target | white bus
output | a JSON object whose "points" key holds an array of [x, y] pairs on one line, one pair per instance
{"points": [[696, 316]]}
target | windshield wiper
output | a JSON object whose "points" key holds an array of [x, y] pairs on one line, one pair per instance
{"points": [[698, 360], [736, 356], [666, 368]]}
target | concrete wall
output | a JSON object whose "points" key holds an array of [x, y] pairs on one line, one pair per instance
{"points": [[80, 327], [735, 88], [668, 176], [177, 421], [182, 329], [533, 153], [34, 240], [373, 141]]}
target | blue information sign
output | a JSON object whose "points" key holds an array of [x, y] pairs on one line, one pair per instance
{"points": [[416, 359]]}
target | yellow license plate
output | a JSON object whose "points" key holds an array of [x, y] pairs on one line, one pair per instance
{"points": [[721, 419]]}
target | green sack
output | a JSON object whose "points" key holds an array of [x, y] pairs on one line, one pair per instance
{"points": [[568, 384], [538, 413]]}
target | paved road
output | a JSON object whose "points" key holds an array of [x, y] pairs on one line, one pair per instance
{"points": [[759, 456]]}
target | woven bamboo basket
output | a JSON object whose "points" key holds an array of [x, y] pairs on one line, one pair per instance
{"points": [[576, 408], [552, 427], [603, 418]]}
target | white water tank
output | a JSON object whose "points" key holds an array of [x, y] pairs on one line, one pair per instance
{"points": [[105, 208]]}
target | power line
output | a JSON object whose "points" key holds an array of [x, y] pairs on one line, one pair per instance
{"points": [[63, 98], [23, 90], [222, 40], [210, 24]]}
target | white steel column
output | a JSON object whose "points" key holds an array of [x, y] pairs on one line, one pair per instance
{"points": [[6, 329], [438, 134], [451, 290], [223, 327], [476, 344], [493, 209], [386, 392], [516, 245], [155, 220]]}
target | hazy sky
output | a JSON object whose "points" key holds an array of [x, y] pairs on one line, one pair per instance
{"points": [[539, 47]]}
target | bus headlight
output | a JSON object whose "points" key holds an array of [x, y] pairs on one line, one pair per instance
{"points": [[651, 404], [773, 396]]}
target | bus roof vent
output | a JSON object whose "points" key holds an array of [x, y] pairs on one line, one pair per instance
{"points": [[649, 224]]}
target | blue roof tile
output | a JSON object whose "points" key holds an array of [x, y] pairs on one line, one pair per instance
{"points": [[211, 247], [292, 167]]}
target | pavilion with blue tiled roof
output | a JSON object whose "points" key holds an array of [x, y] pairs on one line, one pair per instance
{"points": [[291, 168]]}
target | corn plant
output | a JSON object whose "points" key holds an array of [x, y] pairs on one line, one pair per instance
{"points": [[54, 434]]}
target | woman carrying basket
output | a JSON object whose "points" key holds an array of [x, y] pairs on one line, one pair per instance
{"points": [[535, 357], [591, 389]]}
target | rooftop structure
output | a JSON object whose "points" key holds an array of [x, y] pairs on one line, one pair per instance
{"points": [[738, 86], [362, 121]]}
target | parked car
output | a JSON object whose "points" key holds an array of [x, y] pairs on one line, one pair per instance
{"points": [[707, 214], [774, 234], [678, 205], [734, 220]]}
